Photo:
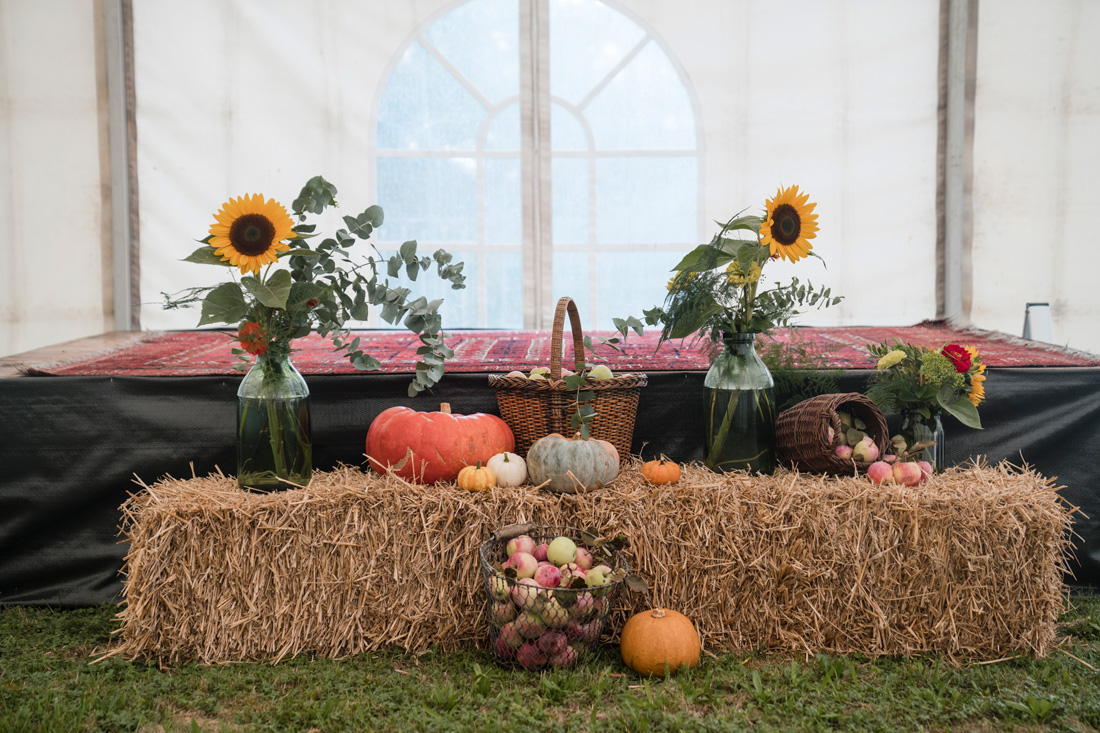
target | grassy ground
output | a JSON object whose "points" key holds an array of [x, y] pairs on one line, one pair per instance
{"points": [[47, 684]]}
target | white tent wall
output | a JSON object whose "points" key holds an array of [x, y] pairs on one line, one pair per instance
{"points": [[1036, 157], [839, 97], [54, 215], [257, 96]]}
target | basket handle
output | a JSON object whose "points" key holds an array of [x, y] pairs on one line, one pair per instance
{"points": [[565, 303]]}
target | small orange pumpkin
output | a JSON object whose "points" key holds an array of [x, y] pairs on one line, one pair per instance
{"points": [[476, 478], [657, 640], [661, 471]]}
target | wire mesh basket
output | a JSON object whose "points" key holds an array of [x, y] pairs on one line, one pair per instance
{"points": [[535, 626]]}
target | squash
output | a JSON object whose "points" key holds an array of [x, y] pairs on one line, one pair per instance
{"points": [[572, 464], [476, 478], [659, 639], [434, 446], [510, 469], [661, 471]]}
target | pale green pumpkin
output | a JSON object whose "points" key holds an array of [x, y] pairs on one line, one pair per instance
{"points": [[572, 464]]}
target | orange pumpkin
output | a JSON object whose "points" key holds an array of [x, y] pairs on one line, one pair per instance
{"points": [[657, 640], [476, 478], [434, 446], [661, 471]]}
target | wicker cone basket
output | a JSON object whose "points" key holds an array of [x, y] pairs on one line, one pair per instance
{"points": [[534, 408], [801, 433]]}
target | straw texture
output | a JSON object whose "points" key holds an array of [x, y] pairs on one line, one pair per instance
{"points": [[969, 564]]}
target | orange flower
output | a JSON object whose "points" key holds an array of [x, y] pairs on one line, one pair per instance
{"points": [[977, 377]]}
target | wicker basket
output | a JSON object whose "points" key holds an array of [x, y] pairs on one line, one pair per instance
{"points": [[801, 432], [534, 408]]}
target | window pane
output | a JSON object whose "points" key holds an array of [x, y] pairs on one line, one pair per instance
{"points": [[428, 199], [425, 108], [646, 200], [503, 130], [587, 40], [632, 283], [645, 107], [566, 132], [571, 277], [569, 188], [481, 39], [459, 309], [503, 206], [504, 290]]}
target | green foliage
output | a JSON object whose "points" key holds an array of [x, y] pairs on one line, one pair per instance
{"points": [[715, 288], [917, 378], [46, 683], [323, 287], [792, 368]]}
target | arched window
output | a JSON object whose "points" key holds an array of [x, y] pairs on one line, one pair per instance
{"points": [[550, 144]]}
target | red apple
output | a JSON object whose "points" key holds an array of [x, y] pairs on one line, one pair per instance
{"points": [[879, 471], [523, 543], [907, 474], [925, 469]]}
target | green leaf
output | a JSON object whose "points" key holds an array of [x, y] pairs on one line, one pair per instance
{"points": [[300, 253], [696, 260], [272, 293], [408, 250], [205, 256], [302, 293], [963, 409], [373, 215], [314, 197], [224, 304]]}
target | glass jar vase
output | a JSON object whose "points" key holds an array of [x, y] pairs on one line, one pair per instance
{"points": [[917, 428], [739, 409], [274, 449]]}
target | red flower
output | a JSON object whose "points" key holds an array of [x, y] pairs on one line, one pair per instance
{"points": [[959, 356], [253, 338], [311, 302]]}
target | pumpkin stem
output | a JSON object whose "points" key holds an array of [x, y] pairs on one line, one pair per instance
{"points": [[478, 466], [658, 613], [445, 408]]}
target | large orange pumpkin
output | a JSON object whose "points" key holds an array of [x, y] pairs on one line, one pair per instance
{"points": [[657, 640], [434, 446]]}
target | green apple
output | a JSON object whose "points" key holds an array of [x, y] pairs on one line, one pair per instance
{"points": [[516, 374], [601, 372], [561, 551], [539, 373]]}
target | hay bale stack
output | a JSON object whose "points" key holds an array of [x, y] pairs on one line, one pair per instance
{"points": [[970, 564]]}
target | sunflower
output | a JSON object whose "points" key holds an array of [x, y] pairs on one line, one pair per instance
{"points": [[789, 224], [977, 389], [736, 276], [249, 232]]}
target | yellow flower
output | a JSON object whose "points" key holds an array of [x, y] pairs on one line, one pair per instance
{"points": [[737, 276], [683, 277], [977, 377], [789, 224], [249, 232], [890, 359]]}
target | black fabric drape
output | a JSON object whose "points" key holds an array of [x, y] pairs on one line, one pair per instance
{"points": [[70, 448]]}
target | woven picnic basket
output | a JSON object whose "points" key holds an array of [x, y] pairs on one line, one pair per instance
{"points": [[802, 435], [534, 408]]}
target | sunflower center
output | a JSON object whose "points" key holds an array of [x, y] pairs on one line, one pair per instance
{"points": [[787, 225], [252, 234]]}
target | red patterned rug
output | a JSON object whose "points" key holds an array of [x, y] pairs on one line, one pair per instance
{"points": [[199, 353]]}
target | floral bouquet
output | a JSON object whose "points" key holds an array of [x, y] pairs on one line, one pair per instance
{"points": [[921, 384], [289, 288], [716, 287], [716, 294]]}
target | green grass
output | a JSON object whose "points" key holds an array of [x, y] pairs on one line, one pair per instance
{"points": [[46, 684]]}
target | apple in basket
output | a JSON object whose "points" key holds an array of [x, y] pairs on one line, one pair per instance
{"points": [[523, 563], [522, 543]]}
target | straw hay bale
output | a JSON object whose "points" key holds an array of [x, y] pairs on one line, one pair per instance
{"points": [[969, 564]]}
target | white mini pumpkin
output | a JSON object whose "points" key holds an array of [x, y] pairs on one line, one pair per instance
{"points": [[510, 469]]}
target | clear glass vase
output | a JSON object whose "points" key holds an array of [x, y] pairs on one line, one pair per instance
{"points": [[274, 450], [916, 428], [739, 409]]}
